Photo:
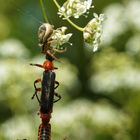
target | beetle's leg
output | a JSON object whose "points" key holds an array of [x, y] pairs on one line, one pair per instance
{"points": [[60, 51], [58, 96], [52, 55], [35, 82], [36, 89], [57, 84], [55, 49]]}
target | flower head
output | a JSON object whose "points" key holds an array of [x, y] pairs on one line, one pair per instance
{"points": [[58, 37], [74, 8], [93, 30], [52, 39]]}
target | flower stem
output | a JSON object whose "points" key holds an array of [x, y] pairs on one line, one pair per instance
{"points": [[43, 10], [72, 23]]}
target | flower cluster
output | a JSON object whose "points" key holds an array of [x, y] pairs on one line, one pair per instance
{"points": [[93, 30], [74, 8], [58, 37], [52, 39]]}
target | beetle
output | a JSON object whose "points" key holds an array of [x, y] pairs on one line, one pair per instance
{"points": [[46, 100], [48, 86]]}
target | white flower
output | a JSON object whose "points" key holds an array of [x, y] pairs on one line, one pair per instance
{"points": [[93, 30], [74, 8], [58, 37]]}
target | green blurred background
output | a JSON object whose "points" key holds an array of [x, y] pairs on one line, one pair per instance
{"points": [[100, 91]]}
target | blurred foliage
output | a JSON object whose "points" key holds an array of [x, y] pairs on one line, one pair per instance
{"points": [[100, 90]]}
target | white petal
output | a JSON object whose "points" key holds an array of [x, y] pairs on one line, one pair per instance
{"points": [[95, 15], [89, 3], [95, 48]]}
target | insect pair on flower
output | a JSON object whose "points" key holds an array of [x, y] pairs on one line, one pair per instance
{"points": [[52, 39]]}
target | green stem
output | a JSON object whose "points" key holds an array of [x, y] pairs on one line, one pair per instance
{"points": [[43, 10], [72, 23]]}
